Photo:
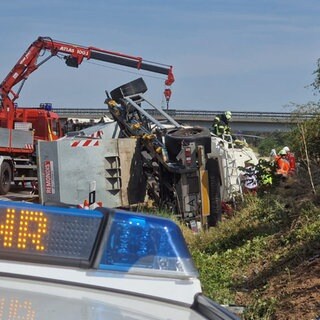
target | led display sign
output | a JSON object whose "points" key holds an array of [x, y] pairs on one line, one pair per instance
{"points": [[47, 232]]}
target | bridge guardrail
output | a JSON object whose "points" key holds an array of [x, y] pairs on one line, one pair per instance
{"points": [[182, 113]]}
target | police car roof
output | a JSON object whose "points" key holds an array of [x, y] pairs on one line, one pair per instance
{"points": [[72, 263], [25, 299]]}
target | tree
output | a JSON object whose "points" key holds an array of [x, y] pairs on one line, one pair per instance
{"points": [[316, 83], [275, 140], [307, 131]]}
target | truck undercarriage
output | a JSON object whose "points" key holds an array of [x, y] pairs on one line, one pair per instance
{"points": [[181, 177], [134, 158]]}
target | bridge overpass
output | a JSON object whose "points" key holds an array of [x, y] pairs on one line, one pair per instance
{"points": [[241, 121]]}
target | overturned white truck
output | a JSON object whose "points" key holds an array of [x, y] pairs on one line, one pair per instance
{"points": [[135, 158]]}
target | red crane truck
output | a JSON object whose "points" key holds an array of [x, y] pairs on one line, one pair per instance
{"points": [[21, 128]]}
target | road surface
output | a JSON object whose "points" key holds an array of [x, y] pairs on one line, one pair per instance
{"points": [[18, 193]]}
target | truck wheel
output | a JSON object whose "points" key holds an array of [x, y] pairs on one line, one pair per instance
{"points": [[5, 177], [214, 192], [175, 137], [129, 89]]}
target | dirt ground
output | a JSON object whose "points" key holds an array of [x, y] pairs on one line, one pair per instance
{"points": [[297, 286], [300, 288], [299, 291]]}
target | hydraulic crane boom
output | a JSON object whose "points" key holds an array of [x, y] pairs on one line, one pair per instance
{"points": [[73, 55]]}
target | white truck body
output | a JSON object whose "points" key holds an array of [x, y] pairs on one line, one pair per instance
{"points": [[93, 162], [97, 160]]}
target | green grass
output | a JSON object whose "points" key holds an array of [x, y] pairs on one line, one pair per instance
{"points": [[264, 241], [268, 236]]}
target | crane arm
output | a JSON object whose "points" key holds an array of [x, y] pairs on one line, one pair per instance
{"points": [[73, 55]]}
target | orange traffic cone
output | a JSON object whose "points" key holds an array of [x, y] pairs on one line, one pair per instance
{"points": [[86, 204]]}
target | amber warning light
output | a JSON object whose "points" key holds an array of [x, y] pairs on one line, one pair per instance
{"points": [[37, 233], [24, 229]]}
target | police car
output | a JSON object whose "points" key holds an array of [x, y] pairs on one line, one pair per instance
{"points": [[69, 263]]}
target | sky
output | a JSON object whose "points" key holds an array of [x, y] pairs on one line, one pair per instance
{"points": [[238, 55]]}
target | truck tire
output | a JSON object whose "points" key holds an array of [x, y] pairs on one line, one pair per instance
{"points": [[131, 88], [175, 137], [214, 192], [5, 178]]}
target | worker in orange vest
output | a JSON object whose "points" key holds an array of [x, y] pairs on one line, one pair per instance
{"points": [[292, 160], [282, 164]]}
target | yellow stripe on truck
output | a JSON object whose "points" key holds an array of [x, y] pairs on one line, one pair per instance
{"points": [[50, 132], [204, 189]]}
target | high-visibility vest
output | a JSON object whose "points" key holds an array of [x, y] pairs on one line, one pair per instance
{"points": [[220, 127], [292, 161], [283, 166], [266, 179]]}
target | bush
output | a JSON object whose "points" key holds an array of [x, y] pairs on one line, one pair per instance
{"points": [[274, 140]]}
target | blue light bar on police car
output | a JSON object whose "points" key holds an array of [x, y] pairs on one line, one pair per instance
{"points": [[103, 239], [139, 243]]}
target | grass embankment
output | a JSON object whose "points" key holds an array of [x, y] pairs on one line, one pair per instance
{"points": [[262, 256]]}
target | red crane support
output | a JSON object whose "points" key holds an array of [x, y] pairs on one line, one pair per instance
{"points": [[73, 55]]}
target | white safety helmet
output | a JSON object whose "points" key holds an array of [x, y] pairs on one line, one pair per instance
{"points": [[286, 149], [228, 115]]}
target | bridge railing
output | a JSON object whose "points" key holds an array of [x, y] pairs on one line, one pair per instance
{"points": [[77, 112]]}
